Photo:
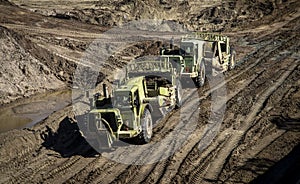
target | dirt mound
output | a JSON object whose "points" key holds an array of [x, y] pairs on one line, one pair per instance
{"points": [[201, 15], [21, 74], [5, 2]]}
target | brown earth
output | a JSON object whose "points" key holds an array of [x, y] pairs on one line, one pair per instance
{"points": [[259, 137]]}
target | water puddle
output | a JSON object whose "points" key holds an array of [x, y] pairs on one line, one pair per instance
{"points": [[27, 112]]}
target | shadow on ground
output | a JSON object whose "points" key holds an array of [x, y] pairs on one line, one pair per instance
{"points": [[284, 171], [67, 140], [290, 124]]}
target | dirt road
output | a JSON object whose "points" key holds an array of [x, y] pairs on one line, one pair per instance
{"points": [[257, 140]]}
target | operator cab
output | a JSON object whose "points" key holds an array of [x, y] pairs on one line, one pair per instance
{"points": [[192, 52], [127, 101], [122, 99], [187, 49]]}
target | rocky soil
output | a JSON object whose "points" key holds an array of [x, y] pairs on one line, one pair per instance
{"points": [[22, 75], [42, 43]]}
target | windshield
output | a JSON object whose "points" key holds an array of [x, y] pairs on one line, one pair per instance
{"points": [[122, 99], [187, 49]]}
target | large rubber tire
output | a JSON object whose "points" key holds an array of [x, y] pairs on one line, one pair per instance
{"points": [[146, 123], [200, 79], [232, 61], [178, 94]]}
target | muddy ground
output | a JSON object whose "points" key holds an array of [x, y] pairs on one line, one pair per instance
{"points": [[256, 142]]}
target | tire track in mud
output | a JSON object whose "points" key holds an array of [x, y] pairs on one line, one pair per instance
{"points": [[163, 165], [34, 163], [192, 145], [109, 168], [67, 166], [129, 171], [16, 162], [201, 136], [216, 166], [262, 134], [182, 168], [104, 172], [64, 167], [242, 166], [266, 140], [80, 169], [231, 95], [36, 157], [173, 164], [23, 158], [132, 173], [207, 94], [83, 173], [261, 56], [107, 172], [90, 176], [225, 133], [33, 168], [95, 172], [38, 164], [159, 167], [65, 32]]}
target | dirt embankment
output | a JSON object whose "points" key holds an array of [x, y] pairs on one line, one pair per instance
{"points": [[56, 53], [22, 74], [195, 15]]}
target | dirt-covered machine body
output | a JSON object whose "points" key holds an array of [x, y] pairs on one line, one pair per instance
{"points": [[149, 90], [203, 53]]}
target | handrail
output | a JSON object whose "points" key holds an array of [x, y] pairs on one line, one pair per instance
{"points": [[205, 36], [149, 66]]}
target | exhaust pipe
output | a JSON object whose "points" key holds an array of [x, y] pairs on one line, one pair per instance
{"points": [[87, 94], [91, 100], [105, 91]]}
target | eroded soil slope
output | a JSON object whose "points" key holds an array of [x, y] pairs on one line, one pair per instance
{"points": [[21, 74]]}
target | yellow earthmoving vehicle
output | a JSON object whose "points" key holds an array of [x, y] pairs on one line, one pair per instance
{"points": [[203, 53], [150, 89]]}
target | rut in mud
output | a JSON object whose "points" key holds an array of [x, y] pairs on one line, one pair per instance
{"points": [[257, 138]]}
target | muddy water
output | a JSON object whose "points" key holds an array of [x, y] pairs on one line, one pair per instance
{"points": [[27, 112]]}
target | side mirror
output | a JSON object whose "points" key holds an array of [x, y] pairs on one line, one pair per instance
{"points": [[96, 96], [135, 102]]}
